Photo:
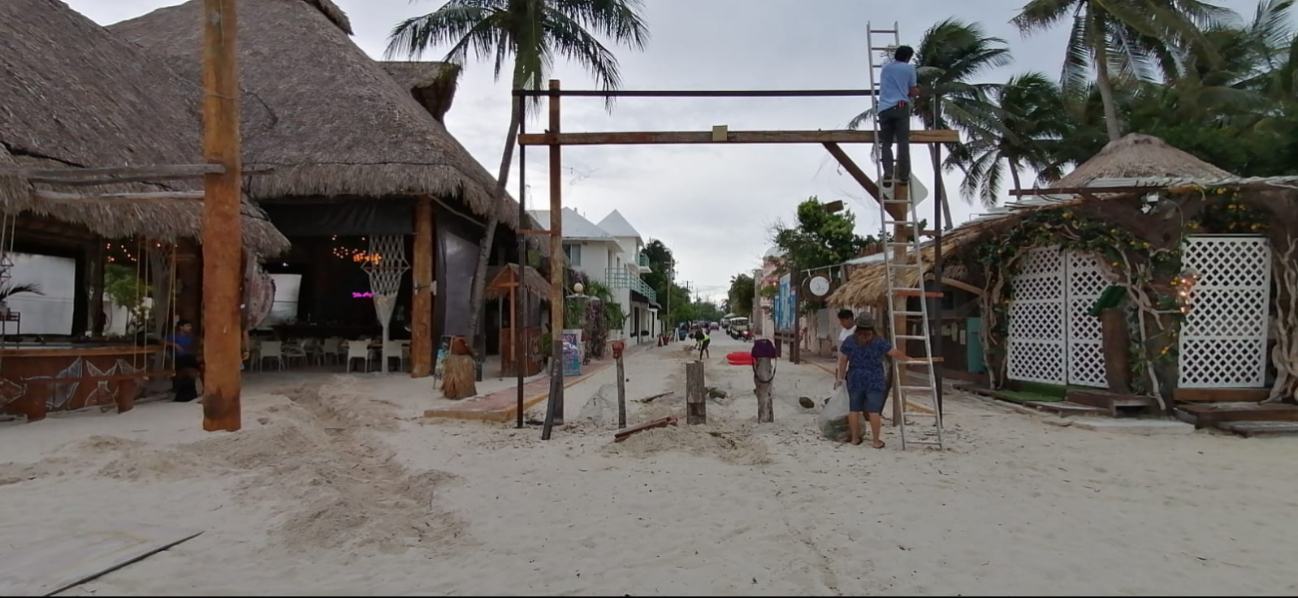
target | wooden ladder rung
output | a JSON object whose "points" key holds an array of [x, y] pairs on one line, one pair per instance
{"points": [[915, 293]]}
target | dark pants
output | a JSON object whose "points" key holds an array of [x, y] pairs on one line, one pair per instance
{"points": [[185, 383], [894, 127]]}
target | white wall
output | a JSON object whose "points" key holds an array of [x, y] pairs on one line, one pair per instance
{"points": [[594, 260], [628, 250], [50, 312]]}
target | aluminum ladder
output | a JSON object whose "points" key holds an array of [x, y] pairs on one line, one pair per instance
{"points": [[882, 43]]}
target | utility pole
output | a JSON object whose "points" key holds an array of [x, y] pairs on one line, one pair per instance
{"points": [[222, 226]]}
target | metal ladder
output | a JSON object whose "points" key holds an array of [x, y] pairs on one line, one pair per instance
{"points": [[899, 194]]}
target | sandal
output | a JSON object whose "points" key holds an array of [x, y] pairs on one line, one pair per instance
{"points": [[880, 445], [857, 443]]}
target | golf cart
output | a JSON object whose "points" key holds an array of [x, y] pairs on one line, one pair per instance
{"points": [[738, 328]]}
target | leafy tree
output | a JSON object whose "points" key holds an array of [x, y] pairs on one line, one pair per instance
{"points": [[740, 297], [127, 290], [532, 33], [819, 239]]}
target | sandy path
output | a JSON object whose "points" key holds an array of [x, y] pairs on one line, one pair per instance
{"points": [[346, 492]]}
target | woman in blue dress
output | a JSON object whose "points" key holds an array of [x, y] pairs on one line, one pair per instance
{"points": [[860, 363]]}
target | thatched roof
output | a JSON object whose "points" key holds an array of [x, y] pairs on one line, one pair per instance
{"points": [[431, 83], [338, 124], [75, 95], [1139, 156], [501, 277], [868, 285]]}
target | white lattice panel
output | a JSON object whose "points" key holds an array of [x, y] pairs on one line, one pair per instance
{"points": [[1086, 282], [1036, 327], [1223, 340]]}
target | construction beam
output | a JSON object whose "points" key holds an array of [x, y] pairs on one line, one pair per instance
{"points": [[44, 195], [925, 136], [896, 210]]}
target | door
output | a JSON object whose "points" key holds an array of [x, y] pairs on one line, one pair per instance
{"points": [[1053, 339]]}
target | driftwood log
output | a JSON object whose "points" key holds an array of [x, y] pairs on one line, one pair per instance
{"points": [[657, 423], [696, 399], [458, 379]]}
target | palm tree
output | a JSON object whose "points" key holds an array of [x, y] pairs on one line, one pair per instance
{"points": [[1138, 37], [532, 33], [1028, 124]]}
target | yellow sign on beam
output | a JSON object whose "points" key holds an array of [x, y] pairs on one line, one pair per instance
{"points": [[719, 133]]}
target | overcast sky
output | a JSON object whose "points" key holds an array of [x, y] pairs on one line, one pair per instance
{"points": [[714, 206]]}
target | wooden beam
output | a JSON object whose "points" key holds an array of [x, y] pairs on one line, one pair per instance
{"points": [[44, 195], [534, 231], [964, 286], [554, 407], [421, 331], [924, 136], [1082, 190], [154, 172], [853, 170], [222, 233]]}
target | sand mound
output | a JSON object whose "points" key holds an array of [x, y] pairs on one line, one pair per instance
{"points": [[722, 439], [331, 482]]}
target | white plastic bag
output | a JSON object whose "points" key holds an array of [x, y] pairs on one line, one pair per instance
{"points": [[833, 417]]}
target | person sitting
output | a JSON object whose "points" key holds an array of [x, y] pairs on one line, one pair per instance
{"points": [[182, 343]]}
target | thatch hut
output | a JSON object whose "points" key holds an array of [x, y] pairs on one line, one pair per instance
{"points": [[75, 95], [1145, 273], [357, 149]]}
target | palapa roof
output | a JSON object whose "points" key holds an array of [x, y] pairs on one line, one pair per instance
{"points": [[330, 120], [431, 83], [502, 276], [1139, 156], [75, 95], [867, 284]]}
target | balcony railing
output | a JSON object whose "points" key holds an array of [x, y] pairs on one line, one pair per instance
{"points": [[643, 260], [619, 278]]}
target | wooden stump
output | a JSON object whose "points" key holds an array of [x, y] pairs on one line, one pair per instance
{"points": [[762, 377], [458, 379], [1117, 349], [621, 393], [696, 398]]}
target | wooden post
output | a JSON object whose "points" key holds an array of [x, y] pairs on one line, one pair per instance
{"points": [[421, 308], [520, 334], [96, 265], [222, 230], [762, 377], [621, 394], [1116, 341], [554, 411], [696, 396]]}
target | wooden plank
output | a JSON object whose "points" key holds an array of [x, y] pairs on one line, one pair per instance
{"points": [[44, 195], [1220, 395], [222, 222], [844, 160], [554, 407], [1250, 429], [909, 293], [44, 561], [924, 136], [1221, 413]]}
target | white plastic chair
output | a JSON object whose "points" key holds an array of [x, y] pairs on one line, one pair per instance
{"points": [[271, 350], [330, 349], [293, 350], [359, 349], [399, 351]]}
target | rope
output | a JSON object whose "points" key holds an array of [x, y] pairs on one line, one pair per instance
{"points": [[386, 264]]}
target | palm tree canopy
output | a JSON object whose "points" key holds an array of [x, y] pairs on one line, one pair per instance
{"points": [[531, 32], [1025, 130]]}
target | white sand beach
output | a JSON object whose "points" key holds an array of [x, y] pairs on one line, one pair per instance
{"points": [[338, 485]]}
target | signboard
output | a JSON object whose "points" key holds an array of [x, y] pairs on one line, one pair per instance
{"points": [[571, 354], [782, 311]]}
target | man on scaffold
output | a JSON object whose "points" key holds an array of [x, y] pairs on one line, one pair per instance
{"points": [[898, 83]]}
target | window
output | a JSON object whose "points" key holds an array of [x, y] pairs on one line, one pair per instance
{"points": [[284, 308], [574, 254], [50, 310]]}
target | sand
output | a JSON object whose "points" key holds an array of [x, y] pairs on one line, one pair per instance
{"points": [[337, 486]]}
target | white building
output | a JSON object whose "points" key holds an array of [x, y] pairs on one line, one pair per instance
{"points": [[610, 252]]}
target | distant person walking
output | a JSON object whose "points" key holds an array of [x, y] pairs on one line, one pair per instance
{"points": [[182, 343], [898, 83], [704, 339], [860, 363]]}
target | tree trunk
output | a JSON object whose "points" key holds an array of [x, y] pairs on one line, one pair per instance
{"points": [[1098, 51], [1014, 175], [489, 235], [696, 397], [762, 377]]}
